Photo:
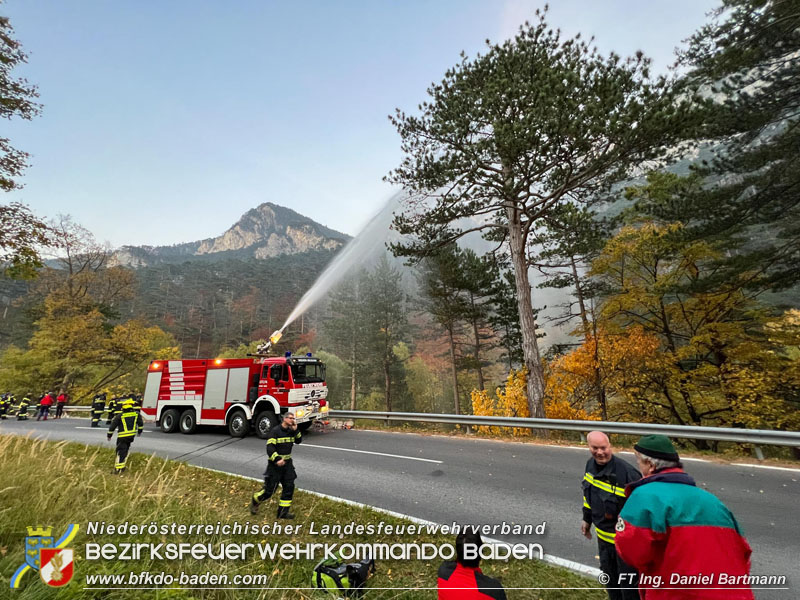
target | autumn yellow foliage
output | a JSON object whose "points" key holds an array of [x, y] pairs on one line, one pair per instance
{"points": [[672, 347], [511, 401]]}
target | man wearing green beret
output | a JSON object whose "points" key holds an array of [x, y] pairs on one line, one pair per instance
{"points": [[683, 540]]}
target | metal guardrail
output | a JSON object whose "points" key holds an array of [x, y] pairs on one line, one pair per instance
{"points": [[764, 437], [33, 408], [757, 437]]}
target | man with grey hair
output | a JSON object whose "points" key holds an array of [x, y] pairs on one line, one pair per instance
{"points": [[604, 481], [685, 542]]}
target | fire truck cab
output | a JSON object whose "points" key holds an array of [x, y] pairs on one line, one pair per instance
{"points": [[238, 393]]}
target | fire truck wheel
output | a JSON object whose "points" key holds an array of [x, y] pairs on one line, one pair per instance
{"points": [[305, 426], [237, 424], [265, 421], [188, 422], [169, 420]]}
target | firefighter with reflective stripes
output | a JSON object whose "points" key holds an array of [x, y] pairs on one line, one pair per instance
{"points": [[22, 409], [129, 424], [280, 467], [112, 406], [5, 402], [603, 485], [98, 406]]}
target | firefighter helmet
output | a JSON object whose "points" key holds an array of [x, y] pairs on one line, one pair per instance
{"points": [[127, 404]]}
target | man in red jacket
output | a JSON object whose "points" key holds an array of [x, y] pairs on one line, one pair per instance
{"points": [[463, 579], [44, 406], [61, 401], [684, 542]]}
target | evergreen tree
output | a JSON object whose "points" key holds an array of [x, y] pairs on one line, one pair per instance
{"points": [[510, 135], [18, 100], [345, 327], [504, 315], [747, 197], [386, 322], [476, 286], [439, 279], [567, 243]]}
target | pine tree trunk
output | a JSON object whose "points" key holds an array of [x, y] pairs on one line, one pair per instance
{"points": [[387, 382], [579, 296], [600, 385], [353, 388], [353, 374], [481, 384], [456, 400], [530, 347]]}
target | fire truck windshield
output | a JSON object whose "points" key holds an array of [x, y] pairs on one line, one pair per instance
{"points": [[308, 373]]}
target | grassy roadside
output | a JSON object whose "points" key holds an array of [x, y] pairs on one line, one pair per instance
{"points": [[58, 483]]}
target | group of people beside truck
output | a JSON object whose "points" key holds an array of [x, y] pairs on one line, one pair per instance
{"points": [[10, 407]]}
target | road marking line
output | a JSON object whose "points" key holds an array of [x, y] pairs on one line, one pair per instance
{"points": [[576, 567], [766, 467], [100, 428], [438, 462]]}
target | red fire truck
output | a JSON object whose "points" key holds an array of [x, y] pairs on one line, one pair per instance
{"points": [[239, 393]]}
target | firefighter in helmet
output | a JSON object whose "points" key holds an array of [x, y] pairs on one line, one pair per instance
{"points": [[129, 424], [10, 402], [98, 406], [22, 409], [114, 408], [280, 467], [137, 402], [112, 404]]}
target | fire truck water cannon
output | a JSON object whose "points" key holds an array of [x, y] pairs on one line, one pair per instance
{"points": [[273, 339]]}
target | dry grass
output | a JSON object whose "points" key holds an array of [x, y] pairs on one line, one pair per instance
{"points": [[54, 484]]}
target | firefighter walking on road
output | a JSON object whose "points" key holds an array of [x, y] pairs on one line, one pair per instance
{"points": [[98, 406], [280, 467], [129, 424], [5, 403]]}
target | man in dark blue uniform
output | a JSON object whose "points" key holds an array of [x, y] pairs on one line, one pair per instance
{"points": [[604, 482], [280, 467], [130, 424]]}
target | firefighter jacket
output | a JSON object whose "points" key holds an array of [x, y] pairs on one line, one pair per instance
{"points": [[604, 494], [280, 442], [129, 422]]}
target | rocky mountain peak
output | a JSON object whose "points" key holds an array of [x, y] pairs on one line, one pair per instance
{"points": [[265, 231]]}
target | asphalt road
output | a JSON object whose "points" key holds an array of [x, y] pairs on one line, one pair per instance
{"points": [[448, 480]]}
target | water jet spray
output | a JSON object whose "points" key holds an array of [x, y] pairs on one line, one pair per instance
{"points": [[363, 245]]}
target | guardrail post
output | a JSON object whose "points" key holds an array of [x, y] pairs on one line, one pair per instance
{"points": [[583, 437], [469, 429], [759, 453]]}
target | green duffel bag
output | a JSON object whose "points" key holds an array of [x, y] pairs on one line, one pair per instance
{"points": [[349, 579]]}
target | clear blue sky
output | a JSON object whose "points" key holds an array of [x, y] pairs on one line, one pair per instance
{"points": [[163, 122]]}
